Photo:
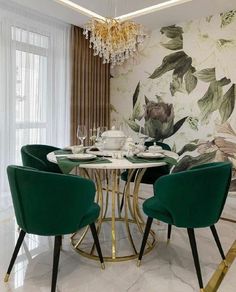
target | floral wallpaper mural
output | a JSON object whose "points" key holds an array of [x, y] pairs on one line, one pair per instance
{"points": [[182, 90]]}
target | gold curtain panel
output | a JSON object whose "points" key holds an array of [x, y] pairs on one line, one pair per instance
{"points": [[90, 86]]}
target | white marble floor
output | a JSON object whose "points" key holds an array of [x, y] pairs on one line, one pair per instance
{"points": [[166, 268]]}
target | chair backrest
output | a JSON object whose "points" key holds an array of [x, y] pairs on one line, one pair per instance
{"points": [[195, 197], [153, 173], [35, 155], [48, 203], [163, 145]]}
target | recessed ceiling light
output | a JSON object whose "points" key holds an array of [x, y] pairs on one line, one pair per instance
{"points": [[152, 9], [80, 9], [127, 16]]}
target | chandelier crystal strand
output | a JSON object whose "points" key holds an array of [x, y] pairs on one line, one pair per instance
{"points": [[113, 40]]}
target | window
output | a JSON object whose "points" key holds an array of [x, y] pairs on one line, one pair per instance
{"points": [[30, 64], [34, 84]]}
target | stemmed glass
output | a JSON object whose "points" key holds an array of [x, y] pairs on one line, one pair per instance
{"points": [[100, 140], [81, 133], [142, 135], [100, 131], [93, 135]]}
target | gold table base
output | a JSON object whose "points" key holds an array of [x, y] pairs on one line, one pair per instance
{"points": [[132, 214]]}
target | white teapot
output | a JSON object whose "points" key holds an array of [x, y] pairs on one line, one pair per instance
{"points": [[113, 139]]}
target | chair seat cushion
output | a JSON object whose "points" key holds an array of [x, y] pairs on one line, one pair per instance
{"points": [[150, 175], [91, 216], [153, 208]]}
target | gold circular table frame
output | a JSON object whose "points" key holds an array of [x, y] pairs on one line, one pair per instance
{"points": [[132, 214]]}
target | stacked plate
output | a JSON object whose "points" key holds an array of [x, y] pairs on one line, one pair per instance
{"points": [[79, 156], [82, 156]]}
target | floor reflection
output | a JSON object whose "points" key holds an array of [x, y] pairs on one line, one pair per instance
{"points": [[166, 268]]}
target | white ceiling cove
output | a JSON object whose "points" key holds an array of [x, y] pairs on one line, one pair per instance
{"points": [[172, 15]]}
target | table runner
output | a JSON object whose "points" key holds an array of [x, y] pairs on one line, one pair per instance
{"points": [[66, 165]]}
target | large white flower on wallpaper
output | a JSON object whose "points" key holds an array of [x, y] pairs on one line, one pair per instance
{"points": [[191, 70], [213, 45]]}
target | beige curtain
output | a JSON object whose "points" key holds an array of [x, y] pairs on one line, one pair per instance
{"points": [[90, 86]]}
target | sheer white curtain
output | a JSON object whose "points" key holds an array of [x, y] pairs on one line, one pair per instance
{"points": [[34, 83]]}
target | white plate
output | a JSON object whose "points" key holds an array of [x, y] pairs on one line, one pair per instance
{"points": [[106, 153], [71, 147], [157, 151], [81, 156], [150, 155]]}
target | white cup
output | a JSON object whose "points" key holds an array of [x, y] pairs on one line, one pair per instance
{"points": [[77, 149]]}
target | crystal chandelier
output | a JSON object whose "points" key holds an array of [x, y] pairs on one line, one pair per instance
{"points": [[114, 40]]}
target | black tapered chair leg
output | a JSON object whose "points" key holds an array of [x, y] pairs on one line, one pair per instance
{"points": [[145, 237], [193, 244], [97, 244], [56, 257], [15, 253], [217, 240], [169, 232]]}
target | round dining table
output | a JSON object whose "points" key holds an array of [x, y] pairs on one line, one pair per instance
{"points": [[109, 197]]}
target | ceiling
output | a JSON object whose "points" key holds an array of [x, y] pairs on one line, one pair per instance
{"points": [[172, 15]]}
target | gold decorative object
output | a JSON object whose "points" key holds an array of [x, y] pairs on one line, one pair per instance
{"points": [[6, 278], [114, 40]]}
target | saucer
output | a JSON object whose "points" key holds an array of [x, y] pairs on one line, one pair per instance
{"points": [[81, 156], [149, 155]]}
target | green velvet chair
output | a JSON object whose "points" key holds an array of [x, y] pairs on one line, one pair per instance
{"points": [[51, 204], [151, 174], [35, 155], [190, 199]]}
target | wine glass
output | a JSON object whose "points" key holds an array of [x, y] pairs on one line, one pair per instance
{"points": [[93, 135], [141, 135], [101, 141], [81, 133], [100, 131]]}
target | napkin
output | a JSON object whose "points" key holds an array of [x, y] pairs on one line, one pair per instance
{"points": [[168, 160], [66, 165]]}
